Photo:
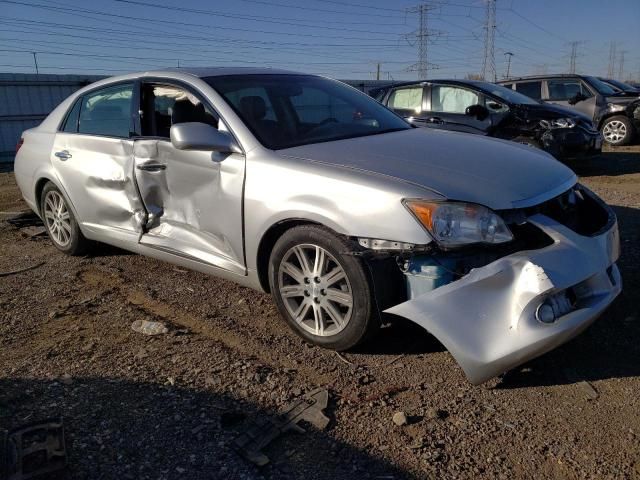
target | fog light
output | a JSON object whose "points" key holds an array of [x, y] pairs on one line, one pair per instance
{"points": [[545, 313]]}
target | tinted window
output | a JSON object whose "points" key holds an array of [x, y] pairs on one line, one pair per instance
{"points": [[166, 105], [448, 99], [600, 86], [506, 94], [288, 110], [406, 99], [107, 112], [71, 123], [530, 89], [566, 89]]}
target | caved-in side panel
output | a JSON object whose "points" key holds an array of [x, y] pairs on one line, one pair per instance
{"points": [[97, 176], [194, 201]]}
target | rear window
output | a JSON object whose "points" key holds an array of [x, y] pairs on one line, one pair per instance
{"points": [[530, 89]]}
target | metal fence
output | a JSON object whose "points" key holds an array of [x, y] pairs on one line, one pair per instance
{"points": [[26, 99]]}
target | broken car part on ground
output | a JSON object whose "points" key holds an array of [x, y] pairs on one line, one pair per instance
{"points": [[308, 189]]}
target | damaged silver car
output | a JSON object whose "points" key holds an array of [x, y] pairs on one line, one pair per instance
{"points": [[304, 187]]}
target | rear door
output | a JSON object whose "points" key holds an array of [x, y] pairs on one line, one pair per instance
{"points": [[93, 158], [561, 90], [193, 199]]}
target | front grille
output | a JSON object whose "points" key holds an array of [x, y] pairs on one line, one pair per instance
{"points": [[578, 209]]}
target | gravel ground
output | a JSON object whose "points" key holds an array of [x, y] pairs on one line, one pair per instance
{"points": [[169, 406]]}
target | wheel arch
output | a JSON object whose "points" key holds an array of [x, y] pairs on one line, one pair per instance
{"points": [[268, 241]]}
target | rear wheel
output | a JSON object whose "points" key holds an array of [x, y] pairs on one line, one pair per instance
{"points": [[617, 130], [323, 293], [60, 223]]}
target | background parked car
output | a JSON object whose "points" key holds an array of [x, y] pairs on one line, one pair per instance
{"points": [[488, 109], [616, 114], [621, 86]]}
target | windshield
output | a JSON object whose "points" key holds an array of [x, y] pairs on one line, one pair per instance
{"points": [[506, 94], [288, 110], [600, 86]]}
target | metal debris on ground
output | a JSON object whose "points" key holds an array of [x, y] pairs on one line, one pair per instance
{"points": [[33, 450], [147, 327], [263, 431], [20, 270]]}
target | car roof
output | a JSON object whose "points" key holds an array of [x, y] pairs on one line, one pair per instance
{"points": [[542, 77], [203, 72]]}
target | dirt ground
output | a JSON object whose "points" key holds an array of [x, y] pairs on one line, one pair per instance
{"points": [[169, 406]]}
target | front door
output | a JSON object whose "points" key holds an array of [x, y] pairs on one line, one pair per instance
{"points": [[448, 104], [193, 199]]}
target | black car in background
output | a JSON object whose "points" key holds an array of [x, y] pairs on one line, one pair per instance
{"points": [[621, 86], [488, 109], [616, 114]]}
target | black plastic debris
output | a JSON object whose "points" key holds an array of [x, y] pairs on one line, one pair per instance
{"points": [[36, 450], [25, 219], [263, 431]]}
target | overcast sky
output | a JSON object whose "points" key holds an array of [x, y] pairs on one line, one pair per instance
{"points": [[343, 39]]}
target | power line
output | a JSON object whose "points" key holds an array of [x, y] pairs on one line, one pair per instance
{"points": [[612, 59], [422, 39], [574, 55], [621, 66], [509, 55], [489, 63]]}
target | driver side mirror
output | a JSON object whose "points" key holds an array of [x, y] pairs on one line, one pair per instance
{"points": [[202, 136], [478, 111], [578, 97]]}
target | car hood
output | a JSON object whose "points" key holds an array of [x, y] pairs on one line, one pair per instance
{"points": [[472, 168], [551, 112]]}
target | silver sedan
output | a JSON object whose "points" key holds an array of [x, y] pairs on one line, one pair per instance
{"points": [[304, 187]]}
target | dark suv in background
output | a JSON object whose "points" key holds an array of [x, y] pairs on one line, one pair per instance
{"points": [[615, 113], [488, 109]]}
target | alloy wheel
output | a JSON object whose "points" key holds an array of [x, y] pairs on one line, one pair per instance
{"points": [[57, 217], [614, 131], [315, 290]]}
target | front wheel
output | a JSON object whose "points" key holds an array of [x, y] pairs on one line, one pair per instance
{"points": [[322, 292], [617, 130]]}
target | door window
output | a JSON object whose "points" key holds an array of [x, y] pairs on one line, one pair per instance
{"points": [[566, 89], [71, 122], [530, 89], [448, 99], [408, 99], [107, 112], [166, 105]]}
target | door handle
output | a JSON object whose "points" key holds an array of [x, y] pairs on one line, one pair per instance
{"points": [[63, 155], [152, 167]]}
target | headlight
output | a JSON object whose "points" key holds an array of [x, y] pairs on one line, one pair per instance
{"points": [[558, 123], [614, 107], [454, 224]]}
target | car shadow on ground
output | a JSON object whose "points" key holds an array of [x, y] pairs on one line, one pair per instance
{"points": [[117, 428], [614, 163], [610, 347]]}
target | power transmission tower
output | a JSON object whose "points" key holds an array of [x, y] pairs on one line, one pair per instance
{"points": [[574, 55], [489, 63], [612, 59], [621, 66], [508, 55], [422, 39]]}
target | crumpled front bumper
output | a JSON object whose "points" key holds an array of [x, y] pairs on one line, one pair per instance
{"points": [[568, 143], [487, 319]]}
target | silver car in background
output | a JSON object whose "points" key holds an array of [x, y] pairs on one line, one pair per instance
{"points": [[304, 187]]}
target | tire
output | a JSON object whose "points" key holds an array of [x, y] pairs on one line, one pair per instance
{"points": [[60, 223], [617, 130], [332, 311]]}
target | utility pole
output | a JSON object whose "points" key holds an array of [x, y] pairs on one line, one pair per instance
{"points": [[508, 55], [35, 61], [621, 66], [422, 39], [378, 72], [574, 56], [489, 63], [612, 59]]}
